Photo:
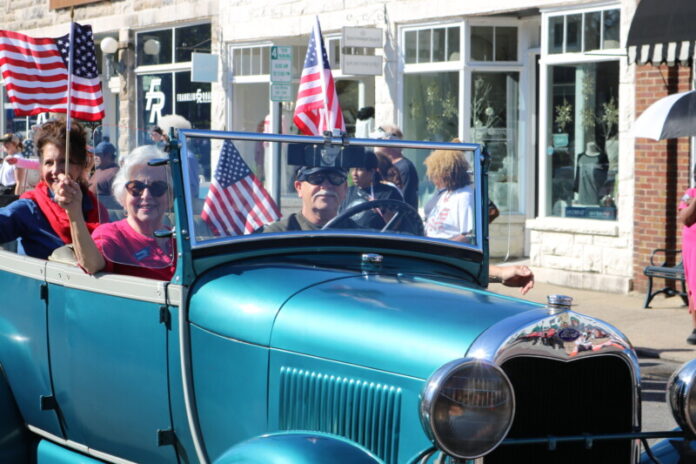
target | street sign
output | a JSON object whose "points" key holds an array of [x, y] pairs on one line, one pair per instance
{"points": [[362, 37], [281, 92], [281, 64]]}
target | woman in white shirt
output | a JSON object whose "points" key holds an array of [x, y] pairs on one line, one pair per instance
{"points": [[10, 176], [450, 212]]}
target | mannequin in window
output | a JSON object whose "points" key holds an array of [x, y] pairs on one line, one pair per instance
{"points": [[590, 175]]}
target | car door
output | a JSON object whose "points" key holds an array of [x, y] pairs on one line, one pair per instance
{"points": [[108, 351], [23, 344]]}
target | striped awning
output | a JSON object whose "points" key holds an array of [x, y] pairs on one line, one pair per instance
{"points": [[663, 31]]}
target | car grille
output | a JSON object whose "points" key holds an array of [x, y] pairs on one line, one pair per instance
{"points": [[365, 412], [553, 398]]}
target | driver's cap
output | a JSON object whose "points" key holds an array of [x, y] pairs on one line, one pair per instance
{"points": [[305, 171]]}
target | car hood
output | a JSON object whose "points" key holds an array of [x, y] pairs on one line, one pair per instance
{"points": [[404, 324], [408, 325]]}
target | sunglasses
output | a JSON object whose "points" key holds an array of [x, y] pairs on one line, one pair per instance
{"points": [[156, 188], [318, 178]]}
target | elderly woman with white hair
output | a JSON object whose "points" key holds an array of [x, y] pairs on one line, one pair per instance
{"points": [[130, 246]]}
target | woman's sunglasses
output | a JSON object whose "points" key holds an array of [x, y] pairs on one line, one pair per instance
{"points": [[318, 178], [156, 188]]}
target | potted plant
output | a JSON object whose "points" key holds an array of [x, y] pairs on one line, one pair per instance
{"points": [[564, 115]]}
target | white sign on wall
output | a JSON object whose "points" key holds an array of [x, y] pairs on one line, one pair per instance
{"points": [[362, 37]]}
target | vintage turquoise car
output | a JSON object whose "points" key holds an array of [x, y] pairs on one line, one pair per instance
{"points": [[339, 345]]}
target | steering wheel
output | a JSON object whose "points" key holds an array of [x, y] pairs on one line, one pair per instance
{"points": [[405, 219]]}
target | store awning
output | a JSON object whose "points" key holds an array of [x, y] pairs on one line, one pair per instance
{"points": [[663, 31]]}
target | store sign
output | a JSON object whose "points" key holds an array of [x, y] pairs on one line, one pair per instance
{"points": [[204, 67], [281, 92], [362, 37], [199, 96], [281, 64], [361, 65]]}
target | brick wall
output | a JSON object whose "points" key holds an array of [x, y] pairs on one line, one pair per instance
{"points": [[661, 171]]}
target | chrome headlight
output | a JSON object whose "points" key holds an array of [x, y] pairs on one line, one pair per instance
{"points": [[467, 407], [682, 396]]}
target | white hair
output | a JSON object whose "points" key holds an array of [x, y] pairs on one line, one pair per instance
{"points": [[173, 121], [135, 160]]}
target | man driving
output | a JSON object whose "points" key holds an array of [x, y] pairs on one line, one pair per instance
{"points": [[322, 190]]}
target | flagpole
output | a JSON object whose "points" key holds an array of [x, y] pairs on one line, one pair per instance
{"points": [[320, 43], [68, 119]]}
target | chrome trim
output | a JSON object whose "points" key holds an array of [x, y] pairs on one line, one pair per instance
{"points": [[187, 384], [535, 333], [679, 387], [79, 447], [432, 390], [558, 303]]}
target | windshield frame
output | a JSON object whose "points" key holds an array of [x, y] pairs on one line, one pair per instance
{"points": [[478, 167]]}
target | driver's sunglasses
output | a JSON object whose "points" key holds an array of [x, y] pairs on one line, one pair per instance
{"points": [[156, 188], [318, 178]]}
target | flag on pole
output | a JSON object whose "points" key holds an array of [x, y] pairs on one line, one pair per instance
{"points": [[237, 203], [35, 71], [317, 109]]}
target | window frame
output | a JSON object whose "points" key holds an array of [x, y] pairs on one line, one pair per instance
{"points": [[546, 61]]}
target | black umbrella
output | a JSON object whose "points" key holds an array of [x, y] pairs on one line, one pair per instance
{"points": [[669, 117]]}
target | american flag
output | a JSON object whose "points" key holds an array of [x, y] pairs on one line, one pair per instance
{"points": [[317, 109], [237, 203], [35, 71]]}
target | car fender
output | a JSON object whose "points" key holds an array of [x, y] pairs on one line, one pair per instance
{"points": [[671, 451], [14, 438], [298, 448]]}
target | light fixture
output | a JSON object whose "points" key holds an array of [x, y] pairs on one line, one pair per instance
{"points": [[110, 47], [151, 47]]}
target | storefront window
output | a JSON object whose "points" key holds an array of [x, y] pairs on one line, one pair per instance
{"points": [[173, 45], [494, 119], [493, 43], [431, 112], [580, 32], [583, 140], [432, 45]]}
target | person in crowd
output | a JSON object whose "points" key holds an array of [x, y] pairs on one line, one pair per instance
{"points": [[105, 171], [60, 210], [449, 214], [129, 246], [368, 187], [11, 177], [687, 218], [388, 174], [407, 171], [156, 134], [322, 190], [365, 123]]}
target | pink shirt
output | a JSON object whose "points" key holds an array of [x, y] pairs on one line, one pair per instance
{"points": [[128, 252]]}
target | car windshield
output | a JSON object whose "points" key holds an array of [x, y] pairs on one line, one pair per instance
{"points": [[252, 186]]}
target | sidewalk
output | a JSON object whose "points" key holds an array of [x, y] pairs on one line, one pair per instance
{"points": [[661, 330]]}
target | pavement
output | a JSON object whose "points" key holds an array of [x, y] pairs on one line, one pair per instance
{"points": [[657, 332]]}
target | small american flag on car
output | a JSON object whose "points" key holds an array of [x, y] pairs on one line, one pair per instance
{"points": [[237, 203]]}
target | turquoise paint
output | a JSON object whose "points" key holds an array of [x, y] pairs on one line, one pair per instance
{"points": [[298, 448]]}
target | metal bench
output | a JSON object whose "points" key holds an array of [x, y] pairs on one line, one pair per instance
{"points": [[667, 272]]}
